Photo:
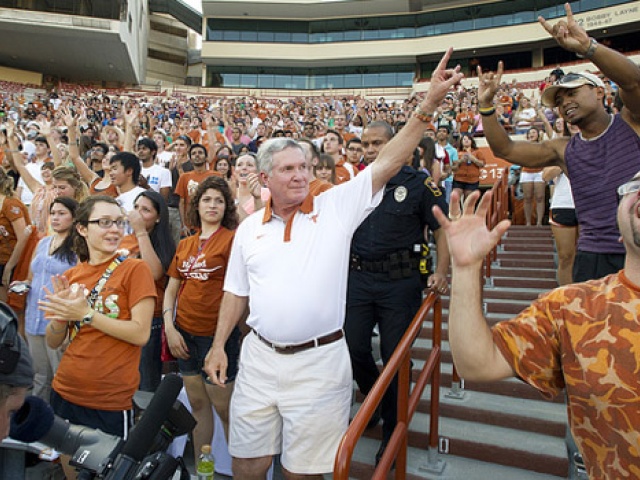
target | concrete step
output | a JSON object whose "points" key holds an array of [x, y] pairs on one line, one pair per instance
{"points": [[529, 254], [548, 418], [454, 467], [541, 283], [504, 446], [528, 273], [525, 262], [522, 246], [497, 305]]}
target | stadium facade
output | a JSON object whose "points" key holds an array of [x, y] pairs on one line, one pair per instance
{"points": [[356, 44]]}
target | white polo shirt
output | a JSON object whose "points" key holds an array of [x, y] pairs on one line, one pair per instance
{"points": [[295, 274]]}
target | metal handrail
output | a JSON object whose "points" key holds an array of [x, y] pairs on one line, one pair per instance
{"points": [[498, 211], [400, 362]]}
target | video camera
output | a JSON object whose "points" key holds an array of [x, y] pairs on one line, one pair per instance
{"points": [[96, 454]]}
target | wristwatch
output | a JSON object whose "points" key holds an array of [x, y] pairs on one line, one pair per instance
{"points": [[88, 318], [593, 44]]}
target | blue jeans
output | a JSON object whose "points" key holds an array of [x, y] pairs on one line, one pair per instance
{"points": [[150, 363]]}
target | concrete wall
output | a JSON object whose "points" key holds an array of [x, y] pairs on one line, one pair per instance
{"points": [[20, 76], [405, 50]]}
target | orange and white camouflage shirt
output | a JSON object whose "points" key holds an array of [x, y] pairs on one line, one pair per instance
{"points": [[586, 338]]}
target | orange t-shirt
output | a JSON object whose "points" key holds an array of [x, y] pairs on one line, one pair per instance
{"points": [[342, 174], [468, 173], [201, 266], [97, 370], [12, 210], [110, 191], [317, 186], [130, 243]]}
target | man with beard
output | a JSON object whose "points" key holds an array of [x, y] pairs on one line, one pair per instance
{"points": [[582, 337], [189, 181], [605, 154]]}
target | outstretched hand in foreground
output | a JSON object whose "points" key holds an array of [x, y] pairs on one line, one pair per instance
{"points": [[468, 237]]}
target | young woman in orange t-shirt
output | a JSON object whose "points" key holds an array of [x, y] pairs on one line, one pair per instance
{"points": [[104, 305], [194, 293], [466, 171]]}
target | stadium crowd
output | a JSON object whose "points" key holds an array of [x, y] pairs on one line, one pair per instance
{"points": [[155, 187]]}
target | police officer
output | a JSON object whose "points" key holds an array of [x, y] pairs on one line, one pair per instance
{"points": [[16, 369], [385, 285]]}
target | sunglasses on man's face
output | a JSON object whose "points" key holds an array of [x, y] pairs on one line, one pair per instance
{"points": [[632, 186], [572, 77]]}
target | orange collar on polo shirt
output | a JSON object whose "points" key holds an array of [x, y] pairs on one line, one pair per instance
{"points": [[305, 207]]}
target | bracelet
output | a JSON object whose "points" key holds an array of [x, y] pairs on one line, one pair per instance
{"points": [[593, 44], [143, 234], [166, 310], [422, 115], [487, 111]]}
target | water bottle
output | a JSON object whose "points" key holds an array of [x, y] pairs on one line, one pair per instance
{"points": [[205, 467]]}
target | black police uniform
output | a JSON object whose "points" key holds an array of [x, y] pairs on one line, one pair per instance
{"points": [[385, 286]]}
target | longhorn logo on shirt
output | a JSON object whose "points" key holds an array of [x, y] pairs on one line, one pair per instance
{"points": [[196, 268]]}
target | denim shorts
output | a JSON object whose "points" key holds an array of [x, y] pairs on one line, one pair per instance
{"points": [[199, 347]]}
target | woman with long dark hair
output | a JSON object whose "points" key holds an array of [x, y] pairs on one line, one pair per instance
{"points": [[151, 241], [53, 255], [466, 171], [104, 306], [194, 292]]}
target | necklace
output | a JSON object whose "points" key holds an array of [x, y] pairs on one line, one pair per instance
{"points": [[55, 244]]}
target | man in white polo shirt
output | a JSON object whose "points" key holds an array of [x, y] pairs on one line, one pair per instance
{"points": [[288, 268]]}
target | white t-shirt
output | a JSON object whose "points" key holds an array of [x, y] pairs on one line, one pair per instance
{"points": [[296, 276], [157, 177], [126, 199], [35, 169], [164, 158]]}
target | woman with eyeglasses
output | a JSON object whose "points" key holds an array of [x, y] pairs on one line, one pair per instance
{"points": [[192, 301], [103, 306], [151, 241]]}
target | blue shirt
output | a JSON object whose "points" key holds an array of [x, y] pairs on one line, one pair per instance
{"points": [[43, 266]]}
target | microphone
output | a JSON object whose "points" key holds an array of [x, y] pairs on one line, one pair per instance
{"points": [[32, 421], [144, 433], [90, 448]]}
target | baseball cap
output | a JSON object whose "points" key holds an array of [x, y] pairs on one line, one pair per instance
{"points": [[570, 80]]}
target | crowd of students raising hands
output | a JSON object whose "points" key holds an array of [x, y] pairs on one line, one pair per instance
{"points": [[120, 257]]}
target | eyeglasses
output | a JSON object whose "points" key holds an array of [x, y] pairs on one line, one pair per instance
{"points": [[632, 186], [354, 149], [107, 223]]}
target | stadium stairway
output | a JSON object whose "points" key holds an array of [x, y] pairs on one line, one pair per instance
{"points": [[499, 430]]}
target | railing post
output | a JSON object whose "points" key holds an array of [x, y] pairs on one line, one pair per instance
{"points": [[397, 364], [434, 463], [456, 392]]}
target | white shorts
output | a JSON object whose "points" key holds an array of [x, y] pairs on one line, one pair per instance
{"points": [[296, 404], [528, 177]]}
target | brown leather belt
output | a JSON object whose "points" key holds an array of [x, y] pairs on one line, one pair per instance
{"points": [[316, 342]]}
